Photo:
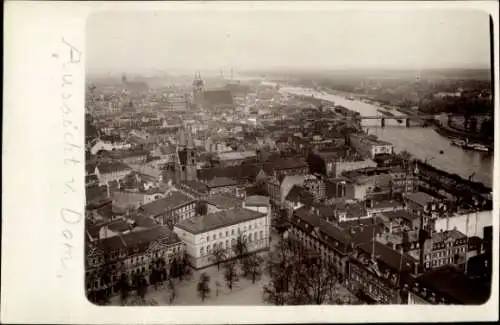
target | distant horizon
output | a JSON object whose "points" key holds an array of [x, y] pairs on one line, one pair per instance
{"points": [[210, 40], [246, 72]]}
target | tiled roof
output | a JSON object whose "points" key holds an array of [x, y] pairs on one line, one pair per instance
{"points": [[421, 198], [221, 181], [138, 239], [242, 172], [383, 253], [212, 221], [95, 194], [382, 204], [236, 155], [224, 201], [119, 225], [195, 185], [285, 163], [307, 221], [171, 201], [257, 200], [111, 167], [455, 286], [442, 236], [400, 214]]}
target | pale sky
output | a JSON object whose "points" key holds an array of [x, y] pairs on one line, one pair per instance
{"points": [[244, 39]]}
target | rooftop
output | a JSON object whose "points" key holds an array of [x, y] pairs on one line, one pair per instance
{"points": [[224, 201], [421, 198], [221, 181], [112, 167], [171, 201], [257, 200], [138, 239], [455, 286], [220, 219], [236, 155], [400, 214], [195, 185], [384, 204]]}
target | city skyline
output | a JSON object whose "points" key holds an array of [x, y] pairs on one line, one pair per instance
{"points": [[213, 40]]}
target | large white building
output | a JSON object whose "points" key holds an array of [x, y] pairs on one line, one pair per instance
{"points": [[202, 234]]}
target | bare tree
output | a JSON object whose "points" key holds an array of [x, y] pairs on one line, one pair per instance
{"points": [[230, 274], [203, 286], [252, 266], [240, 248], [298, 276], [141, 286], [124, 287], [218, 256]]}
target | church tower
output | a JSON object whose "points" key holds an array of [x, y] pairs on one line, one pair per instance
{"points": [[198, 89], [185, 167]]}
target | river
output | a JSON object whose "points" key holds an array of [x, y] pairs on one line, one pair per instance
{"points": [[422, 143]]}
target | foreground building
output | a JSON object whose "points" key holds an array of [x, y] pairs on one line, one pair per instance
{"points": [[447, 285], [130, 254], [220, 230]]}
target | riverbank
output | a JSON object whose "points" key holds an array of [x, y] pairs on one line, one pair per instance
{"points": [[422, 143], [452, 133]]}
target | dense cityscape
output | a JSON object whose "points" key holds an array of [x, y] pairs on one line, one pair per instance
{"points": [[289, 187]]}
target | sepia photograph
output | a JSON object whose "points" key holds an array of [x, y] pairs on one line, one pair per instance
{"points": [[289, 157]]}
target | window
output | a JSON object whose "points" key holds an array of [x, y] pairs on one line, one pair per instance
{"points": [[250, 238], [250, 227], [232, 231], [220, 235], [227, 243], [227, 233], [214, 246], [214, 237], [208, 239], [202, 251], [261, 234]]}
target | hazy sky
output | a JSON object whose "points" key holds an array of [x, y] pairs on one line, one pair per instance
{"points": [[205, 40]]}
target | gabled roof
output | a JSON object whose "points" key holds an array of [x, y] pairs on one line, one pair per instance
{"points": [[309, 221], [224, 201], [257, 200], [455, 286], [111, 167], [96, 194], [421, 198], [169, 202], [139, 239], [242, 172], [213, 221], [284, 163], [221, 182]]}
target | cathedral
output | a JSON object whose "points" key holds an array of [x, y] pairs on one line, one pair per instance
{"points": [[185, 163]]}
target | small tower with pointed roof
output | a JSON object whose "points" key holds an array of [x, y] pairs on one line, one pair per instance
{"points": [[185, 167], [198, 89]]}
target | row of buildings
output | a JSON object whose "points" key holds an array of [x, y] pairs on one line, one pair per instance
{"points": [[178, 197]]}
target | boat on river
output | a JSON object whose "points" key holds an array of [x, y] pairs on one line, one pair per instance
{"points": [[469, 146]]}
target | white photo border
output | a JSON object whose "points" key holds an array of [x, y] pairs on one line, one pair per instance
{"points": [[43, 169]]}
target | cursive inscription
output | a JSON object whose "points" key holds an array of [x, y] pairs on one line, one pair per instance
{"points": [[70, 214]]}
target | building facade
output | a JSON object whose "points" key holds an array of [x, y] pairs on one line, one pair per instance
{"points": [[130, 254], [220, 230]]}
